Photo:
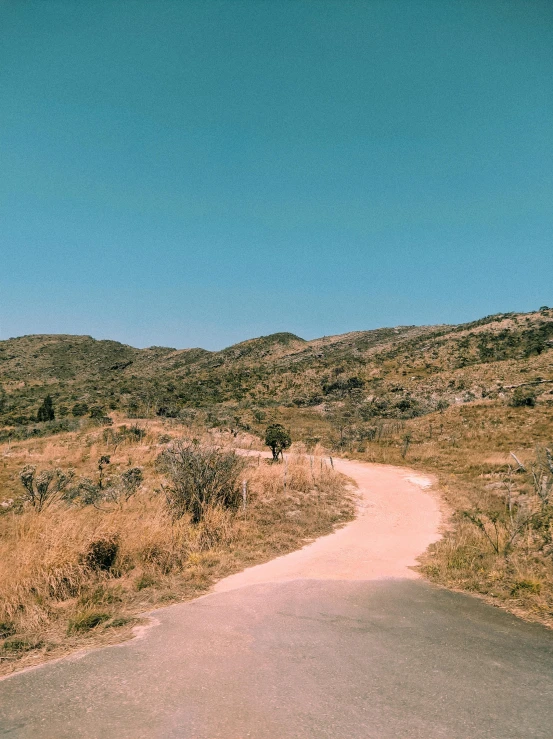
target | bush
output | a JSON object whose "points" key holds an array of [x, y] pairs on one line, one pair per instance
{"points": [[101, 554], [526, 586], [523, 396], [43, 488], [124, 434], [79, 409], [118, 489], [200, 477], [20, 645]]}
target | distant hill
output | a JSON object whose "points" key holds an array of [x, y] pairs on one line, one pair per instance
{"points": [[396, 372]]}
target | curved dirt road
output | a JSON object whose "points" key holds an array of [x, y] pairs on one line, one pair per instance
{"points": [[340, 640], [396, 522]]}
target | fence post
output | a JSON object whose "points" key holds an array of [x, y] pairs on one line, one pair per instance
{"points": [[331, 462], [244, 492]]}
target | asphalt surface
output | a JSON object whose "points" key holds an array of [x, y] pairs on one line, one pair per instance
{"points": [[306, 659], [339, 640]]}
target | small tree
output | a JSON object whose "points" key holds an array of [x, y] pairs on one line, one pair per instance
{"points": [[278, 439], [46, 410]]}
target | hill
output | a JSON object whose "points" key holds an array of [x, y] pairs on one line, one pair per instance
{"points": [[400, 372]]}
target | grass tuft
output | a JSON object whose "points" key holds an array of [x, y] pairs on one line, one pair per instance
{"points": [[86, 621]]}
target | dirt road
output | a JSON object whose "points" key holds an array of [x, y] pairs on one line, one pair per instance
{"points": [[340, 640], [396, 521]]}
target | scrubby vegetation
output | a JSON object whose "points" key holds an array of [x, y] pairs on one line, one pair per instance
{"points": [[101, 522], [131, 520], [366, 376], [200, 478]]}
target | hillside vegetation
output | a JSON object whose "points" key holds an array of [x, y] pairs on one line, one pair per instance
{"points": [[471, 403], [386, 373]]}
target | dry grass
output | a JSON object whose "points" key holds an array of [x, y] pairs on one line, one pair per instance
{"points": [[468, 448], [54, 597]]}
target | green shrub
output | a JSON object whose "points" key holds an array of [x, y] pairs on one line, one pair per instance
{"points": [[79, 409], [20, 645], [526, 586], [523, 396]]}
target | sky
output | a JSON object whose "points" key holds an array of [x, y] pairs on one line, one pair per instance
{"points": [[196, 173]]}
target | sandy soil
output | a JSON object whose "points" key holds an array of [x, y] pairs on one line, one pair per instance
{"points": [[398, 518]]}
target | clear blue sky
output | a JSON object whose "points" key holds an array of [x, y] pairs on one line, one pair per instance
{"points": [[195, 173]]}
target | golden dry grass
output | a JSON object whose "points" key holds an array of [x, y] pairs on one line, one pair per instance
{"points": [[53, 600], [468, 448]]}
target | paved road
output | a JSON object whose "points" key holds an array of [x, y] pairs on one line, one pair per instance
{"points": [[304, 659]]}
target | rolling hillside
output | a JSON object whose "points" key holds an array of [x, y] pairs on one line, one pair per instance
{"points": [[400, 372]]}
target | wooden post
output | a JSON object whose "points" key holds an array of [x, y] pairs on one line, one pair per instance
{"points": [[244, 492]]}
